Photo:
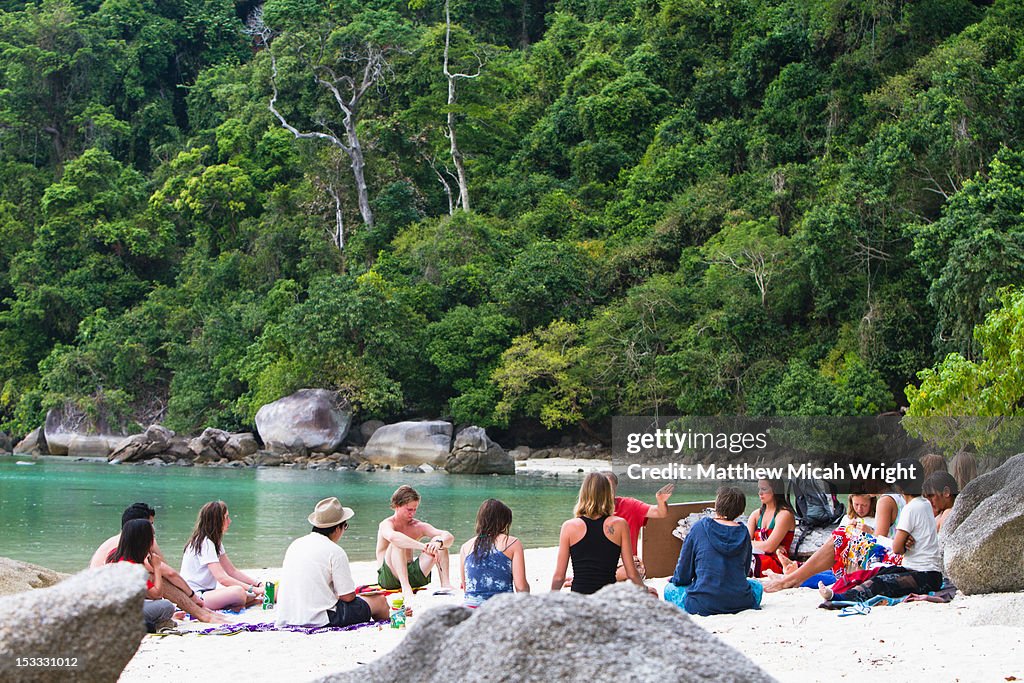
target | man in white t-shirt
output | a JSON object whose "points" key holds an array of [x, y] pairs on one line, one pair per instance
{"points": [[916, 538], [316, 586]]}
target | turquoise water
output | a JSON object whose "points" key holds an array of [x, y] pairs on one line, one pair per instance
{"points": [[56, 512]]}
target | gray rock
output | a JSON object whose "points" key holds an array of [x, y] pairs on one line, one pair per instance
{"points": [[94, 616], [6, 443], [412, 469], [984, 535], [140, 446], [368, 429], [474, 453], [366, 467], [240, 446], [560, 637], [16, 576], [209, 446], [311, 419], [33, 444], [410, 443], [267, 459], [69, 431], [92, 446], [520, 453], [425, 468]]}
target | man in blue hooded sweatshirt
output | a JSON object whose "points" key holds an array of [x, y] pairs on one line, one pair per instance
{"points": [[711, 575]]}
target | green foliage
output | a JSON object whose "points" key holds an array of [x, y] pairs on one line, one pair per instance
{"points": [[991, 387], [537, 377], [686, 206]]}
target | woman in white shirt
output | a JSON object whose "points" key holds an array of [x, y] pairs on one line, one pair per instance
{"points": [[206, 567]]}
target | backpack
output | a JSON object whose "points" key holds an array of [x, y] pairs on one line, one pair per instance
{"points": [[816, 507], [815, 502]]}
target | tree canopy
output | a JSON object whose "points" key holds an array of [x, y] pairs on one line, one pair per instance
{"points": [[759, 207]]}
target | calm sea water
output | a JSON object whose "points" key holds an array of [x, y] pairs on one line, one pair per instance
{"points": [[56, 512]]}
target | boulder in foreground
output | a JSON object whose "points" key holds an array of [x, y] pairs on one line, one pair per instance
{"points": [[93, 619], [16, 576], [983, 539], [617, 634]]}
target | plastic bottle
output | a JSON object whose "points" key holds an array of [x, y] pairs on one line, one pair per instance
{"points": [[269, 588], [397, 613]]}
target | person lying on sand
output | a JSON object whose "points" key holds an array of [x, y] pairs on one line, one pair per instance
{"points": [[399, 536]]}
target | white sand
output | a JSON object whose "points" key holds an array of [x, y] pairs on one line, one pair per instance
{"points": [[972, 638], [561, 466], [977, 638]]}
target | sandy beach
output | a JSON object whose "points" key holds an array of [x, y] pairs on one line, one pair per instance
{"points": [[972, 638]]}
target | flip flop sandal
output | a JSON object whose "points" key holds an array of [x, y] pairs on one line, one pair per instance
{"points": [[853, 610]]}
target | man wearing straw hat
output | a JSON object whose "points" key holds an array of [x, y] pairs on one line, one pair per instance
{"points": [[316, 582]]}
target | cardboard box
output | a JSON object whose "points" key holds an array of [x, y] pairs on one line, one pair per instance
{"points": [[660, 548]]}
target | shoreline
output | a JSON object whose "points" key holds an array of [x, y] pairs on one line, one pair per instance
{"points": [[972, 638]]}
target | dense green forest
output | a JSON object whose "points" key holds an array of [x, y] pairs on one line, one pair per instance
{"points": [[542, 210]]}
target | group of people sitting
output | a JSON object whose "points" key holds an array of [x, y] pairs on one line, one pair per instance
{"points": [[316, 587], [886, 545], [716, 572]]}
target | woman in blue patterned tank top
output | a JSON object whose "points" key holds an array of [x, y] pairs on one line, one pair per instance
{"points": [[493, 562]]}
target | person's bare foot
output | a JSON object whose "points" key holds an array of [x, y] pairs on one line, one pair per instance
{"points": [[788, 566], [825, 591]]}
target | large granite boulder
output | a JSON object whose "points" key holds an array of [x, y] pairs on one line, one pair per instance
{"points": [[308, 420], [410, 443], [71, 432], [33, 444], [16, 577], [984, 536], [155, 440], [474, 453], [560, 637], [93, 618]]}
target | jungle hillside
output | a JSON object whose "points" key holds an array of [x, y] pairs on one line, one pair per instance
{"points": [[541, 212]]}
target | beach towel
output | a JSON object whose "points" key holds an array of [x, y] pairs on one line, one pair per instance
{"points": [[262, 627]]}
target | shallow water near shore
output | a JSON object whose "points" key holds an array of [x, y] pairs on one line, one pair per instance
{"points": [[57, 511]]}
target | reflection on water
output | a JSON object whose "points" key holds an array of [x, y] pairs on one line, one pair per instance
{"points": [[56, 512]]}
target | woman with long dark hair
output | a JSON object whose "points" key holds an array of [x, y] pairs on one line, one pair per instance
{"points": [[771, 530], [136, 547], [493, 561], [206, 567]]}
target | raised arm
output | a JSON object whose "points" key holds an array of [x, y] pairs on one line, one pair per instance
{"points": [[152, 564], [660, 511]]}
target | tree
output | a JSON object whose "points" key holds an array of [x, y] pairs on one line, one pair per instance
{"points": [[953, 394], [752, 248], [347, 63]]}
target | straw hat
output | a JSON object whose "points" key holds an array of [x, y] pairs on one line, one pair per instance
{"points": [[329, 512]]}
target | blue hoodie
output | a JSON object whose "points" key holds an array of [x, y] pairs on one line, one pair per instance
{"points": [[713, 566]]}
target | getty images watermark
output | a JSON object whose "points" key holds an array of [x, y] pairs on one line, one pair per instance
{"points": [[844, 451]]}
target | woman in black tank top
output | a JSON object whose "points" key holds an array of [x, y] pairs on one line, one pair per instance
{"points": [[595, 540]]}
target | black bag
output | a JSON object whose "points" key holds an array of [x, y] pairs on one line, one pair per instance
{"points": [[816, 503]]}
